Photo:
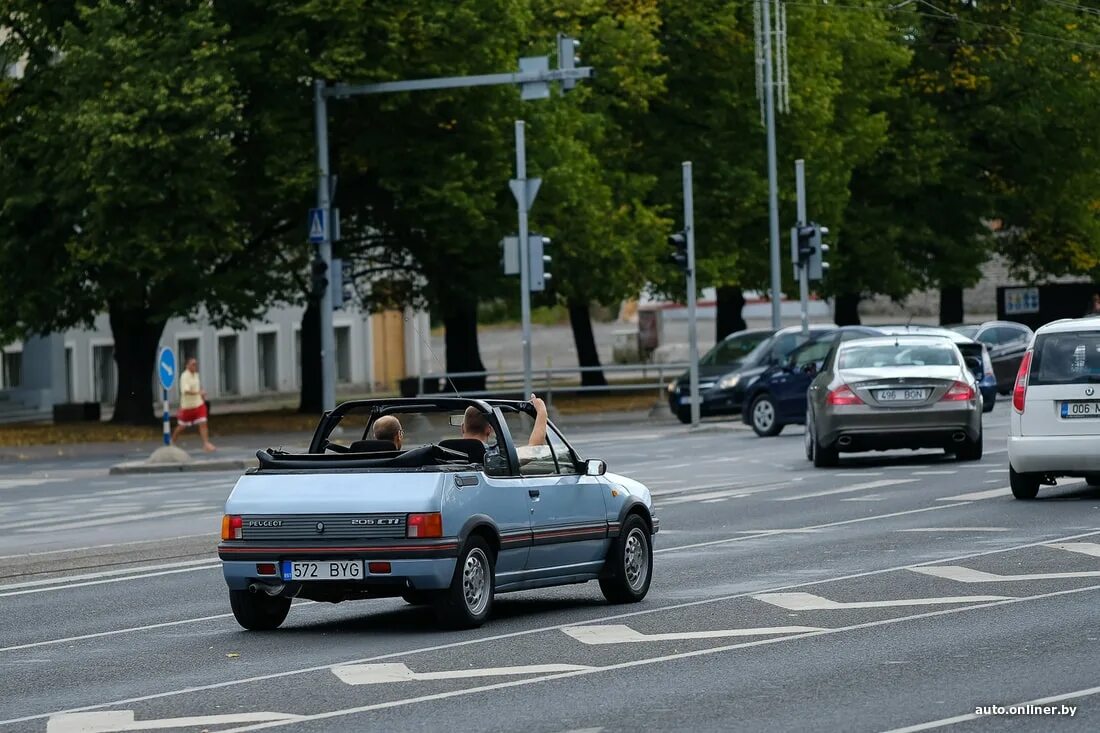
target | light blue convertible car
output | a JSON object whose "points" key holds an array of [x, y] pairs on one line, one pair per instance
{"points": [[439, 520]]}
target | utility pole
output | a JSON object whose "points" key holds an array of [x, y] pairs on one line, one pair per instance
{"points": [[533, 78], [324, 249], [773, 193], [693, 342], [803, 275]]}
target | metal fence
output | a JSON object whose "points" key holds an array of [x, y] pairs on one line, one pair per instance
{"points": [[560, 380]]}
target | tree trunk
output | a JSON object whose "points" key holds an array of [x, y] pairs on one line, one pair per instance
{"points": [[580, 318], [847, 309], [951, 305], [462, 353], [136, 341], [731, 302], [310, 398]]}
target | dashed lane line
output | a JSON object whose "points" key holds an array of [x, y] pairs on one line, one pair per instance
{"points": [[103, 574], [966, 575], [28, 591], [978, 495], [880, 484], [1042, 701], [811, 602], [628, 614]]}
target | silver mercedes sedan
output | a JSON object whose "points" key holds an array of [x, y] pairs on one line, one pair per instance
{"points": [[894, 392]]}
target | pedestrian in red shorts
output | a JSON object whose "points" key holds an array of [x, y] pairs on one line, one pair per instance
{"points": [[192, 405]]}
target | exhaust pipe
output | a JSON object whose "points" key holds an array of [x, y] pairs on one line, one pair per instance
{"points": [[271, 590], [958, 437], [844, 441]]}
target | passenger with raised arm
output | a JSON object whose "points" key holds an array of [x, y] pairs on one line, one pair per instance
{"points": [[475, 424]]}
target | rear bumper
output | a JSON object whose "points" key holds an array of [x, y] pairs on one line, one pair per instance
{"points": [[1062, 455], [431, 574], [865, 428]]}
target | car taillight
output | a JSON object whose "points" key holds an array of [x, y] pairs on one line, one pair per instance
{"points": [[424, 525], [843, 395], [959, 392], [231, 527], [1019, 393]]}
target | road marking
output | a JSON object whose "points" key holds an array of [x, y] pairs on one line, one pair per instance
{"points": [[377, 674], [623, 634], [810, 602], [123, 720], [954, 529], [859, 474], [882, 483], [212, 535], [104, 574], [120, 518], [1085, 548], [28, 591], [997, 470], [629, 614], [777, 531], [22, 483], [647, 662], [842, 522], [966, 575], [122, 511], [944, 722], [873, 497], [977, 495], [684, 499], [934, 473]]}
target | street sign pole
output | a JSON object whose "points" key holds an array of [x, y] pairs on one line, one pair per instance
{"points": [[166, 371], [324, 249], [523, 203], [693, 343], [773, 193], [803, 274]]}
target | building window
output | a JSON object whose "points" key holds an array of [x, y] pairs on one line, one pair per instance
{"points": [[103, 373], [228, 378], [188, 349], [343, 354], [12, 369], [267, 361]]}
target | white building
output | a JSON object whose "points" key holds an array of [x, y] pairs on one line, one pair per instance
{"points": [[373, 351]]}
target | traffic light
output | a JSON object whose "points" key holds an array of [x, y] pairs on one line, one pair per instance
{"points": [[806, 234], [319, 277], [567, 58], [817, 266], [538, 261], [678, 256]]}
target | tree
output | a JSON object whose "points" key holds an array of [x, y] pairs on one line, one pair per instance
{"points": [[118, 179]]}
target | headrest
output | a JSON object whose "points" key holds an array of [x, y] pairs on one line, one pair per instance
{"points": [[371, 446], [472, 447]]}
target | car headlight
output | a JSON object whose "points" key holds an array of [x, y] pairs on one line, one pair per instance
{"points": [[729, 381], [672, 387]]}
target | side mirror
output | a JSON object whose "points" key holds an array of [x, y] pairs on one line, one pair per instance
{"points": [[974, 364], [595, 467]]}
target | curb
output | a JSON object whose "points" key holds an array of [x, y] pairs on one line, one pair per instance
{"points": [[136, 467]]}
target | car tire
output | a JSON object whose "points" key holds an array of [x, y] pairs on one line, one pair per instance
{"points": [[1025, 486], [629, 565], [821, 456], [970, 450], [764, 417], [258, 611], [469, 600], [684, 415], [1092, 479]]}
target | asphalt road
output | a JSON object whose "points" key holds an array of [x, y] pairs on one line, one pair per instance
{"points": [[899, 591]]}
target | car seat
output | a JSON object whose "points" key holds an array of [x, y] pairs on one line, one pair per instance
{"points": [[472, 447], [371, 446]]}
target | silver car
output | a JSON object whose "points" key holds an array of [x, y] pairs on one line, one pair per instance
{"points": [[894, 392]]}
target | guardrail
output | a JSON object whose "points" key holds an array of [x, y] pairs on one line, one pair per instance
{"points": [[563, 380]]}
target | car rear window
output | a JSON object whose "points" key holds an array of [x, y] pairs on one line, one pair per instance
{"points": [[901, 355], [1071, 357]]}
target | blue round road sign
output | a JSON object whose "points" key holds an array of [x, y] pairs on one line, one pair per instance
{"points": [[166, 367]]}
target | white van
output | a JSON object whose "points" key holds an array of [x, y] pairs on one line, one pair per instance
{"points": [[1055, 429]]}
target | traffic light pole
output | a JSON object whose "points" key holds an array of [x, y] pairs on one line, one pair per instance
{"points": [[693, 342], [803, 270], [773, 193], [324, 249], [523, 203]]}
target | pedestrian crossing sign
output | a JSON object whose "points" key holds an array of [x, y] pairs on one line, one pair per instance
{"points": [[317, 226]]}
